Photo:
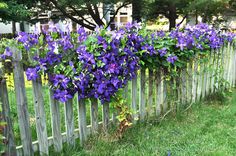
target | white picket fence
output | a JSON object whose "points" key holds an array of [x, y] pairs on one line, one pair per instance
{"points": [[152, 94]]}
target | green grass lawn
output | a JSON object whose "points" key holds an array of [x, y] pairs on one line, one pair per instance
{"points": [[205, 129]]}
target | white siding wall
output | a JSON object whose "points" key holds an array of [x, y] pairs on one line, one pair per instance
{"points": [[7, 28]]}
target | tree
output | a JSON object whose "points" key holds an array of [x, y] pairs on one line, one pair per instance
{"points": [[208, 9], [171, 9], [84, 12]]}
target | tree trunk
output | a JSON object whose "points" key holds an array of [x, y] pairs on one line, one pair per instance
{"points": [[136, 10], [172, 16], [13, 27]]}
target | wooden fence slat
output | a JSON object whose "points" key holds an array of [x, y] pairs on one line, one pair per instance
{"points": [[158, 92], [194, 83], [213, 71], [231, 66], [183, 87], [234, 66], [69, 120], [105, 116], [142, 99], [189, 82], [199, 81], [94, 115], [40, 116], [204, 78], [21, 100], [82, 121], [150, 93], [164, 92], [8, 129], [134, 99], [56, 122]]}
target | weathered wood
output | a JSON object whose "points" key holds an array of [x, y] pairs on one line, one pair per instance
{"points": [[21, 100], [158, 92], [199, 81], [213, 72], [94, 115], [217, 75], [234, 67], [142, 99], [184, 87], [134, 99], [125, 91], [189, 81], [10, 148], [150, 93], [56, 122], [82, 121], [194, 83], [69, 120], [105, 116], [40, 116], [164, 102], [204, 79]]}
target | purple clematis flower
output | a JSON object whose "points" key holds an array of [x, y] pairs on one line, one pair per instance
{"points": [[31, 74], [172, 59]]}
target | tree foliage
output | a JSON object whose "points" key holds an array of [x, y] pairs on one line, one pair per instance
{"points": [[207, 9]]}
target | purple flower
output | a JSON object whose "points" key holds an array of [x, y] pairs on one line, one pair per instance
{"points": [[22, 37], [112, 68], [60, 80], [31, 74], [171, 59], [162, 52], [62, 95]]}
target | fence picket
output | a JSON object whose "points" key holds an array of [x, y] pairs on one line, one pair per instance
{"points": [[142, 100], [69, 120], [194, 83], [21, 100], [6, 113], [150, 93], [134, 99], [94, 115], [40, 116], [105, 116], [56, 122], [213, 71], [183, 87], [82, 121], [189, 82], [164, 93], [158, 92]]}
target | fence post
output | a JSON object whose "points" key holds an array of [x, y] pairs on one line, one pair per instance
{"points": [[105, 116], [150, 92], [134, 98], [199, 81], [164, 92], [21, 100], [56, 122], [142, 99], [8, 129], [213, 72], [183, 87], [40, 117], [94, 115], [190, 80], [158, 92], [82, 121], [194, 83], [70, 126]]}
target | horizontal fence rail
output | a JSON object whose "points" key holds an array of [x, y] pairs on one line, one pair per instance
{"points": [[151, 93]]}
